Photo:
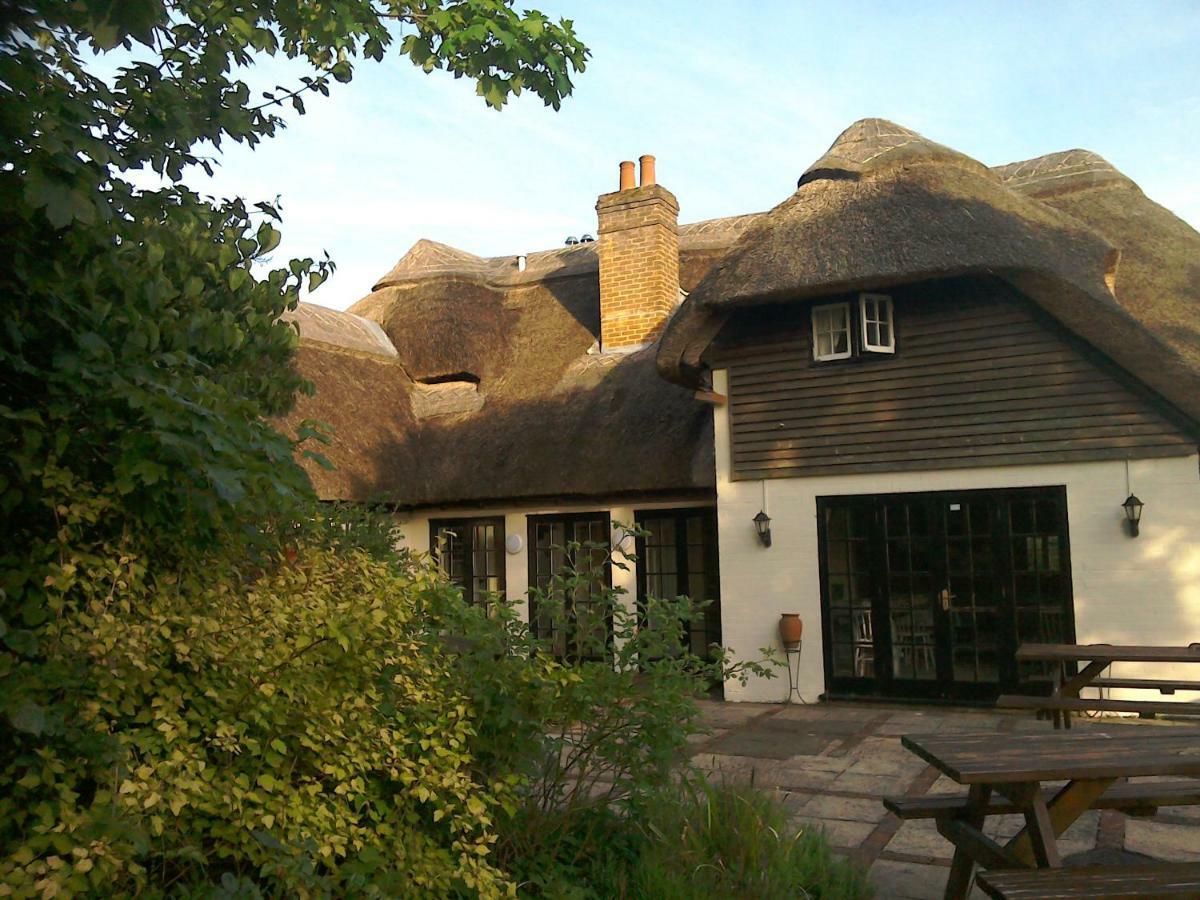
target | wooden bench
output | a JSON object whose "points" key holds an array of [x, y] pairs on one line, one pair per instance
{"points": [[1135, 798], [1050, 779], [1144, 708], [1096, 658], [1162, 685], [1132, 882]]}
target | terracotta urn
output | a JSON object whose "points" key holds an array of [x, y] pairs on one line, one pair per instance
{"points": [[791, 630]]}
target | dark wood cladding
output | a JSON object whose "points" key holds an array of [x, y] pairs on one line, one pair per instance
{"points": [[980, 378]]}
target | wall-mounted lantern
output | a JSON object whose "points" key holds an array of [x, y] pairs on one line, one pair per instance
{"points": [[762, 524], [513, 544], [1133, 513]]}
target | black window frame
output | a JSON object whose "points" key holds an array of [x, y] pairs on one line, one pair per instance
{"points": [[879, 679], [570, 646], [464, 527], [679, 517]]}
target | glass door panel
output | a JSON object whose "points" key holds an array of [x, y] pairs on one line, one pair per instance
{"points": [[929, 595], [971, 598], [1040, 587], [911, 580], [577, 626], [851, 589], [678, 556]]}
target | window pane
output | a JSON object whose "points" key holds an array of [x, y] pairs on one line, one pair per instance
{"points": [[831, 330], [876, 313]]}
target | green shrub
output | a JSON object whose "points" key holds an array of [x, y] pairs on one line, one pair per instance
{"points": [[735, 841], [302, 733], [594, 734]]}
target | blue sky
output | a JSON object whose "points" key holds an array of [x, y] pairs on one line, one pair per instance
{"points": [[735, 100]]}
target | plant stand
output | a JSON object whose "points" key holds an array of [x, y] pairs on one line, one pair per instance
{"points": [[794, 673]]}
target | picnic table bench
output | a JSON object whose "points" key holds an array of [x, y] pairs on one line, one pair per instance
{"points": [[1085, 883], [1007, 773], [1065, 698]]}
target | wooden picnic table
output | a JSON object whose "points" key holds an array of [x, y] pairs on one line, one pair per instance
{"points": [[1016, 766], [1097, 658]]}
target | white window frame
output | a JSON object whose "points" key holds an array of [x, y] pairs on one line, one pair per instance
{"points": [[881, 301], [849, 351]]}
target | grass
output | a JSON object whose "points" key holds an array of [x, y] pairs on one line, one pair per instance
{"points": [[706, 841]]}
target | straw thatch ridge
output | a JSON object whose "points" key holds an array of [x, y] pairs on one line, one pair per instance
{"points": [[886, 206], [609, 427], [340, 329], [496, 392], [465, 380], [1158, 278]]}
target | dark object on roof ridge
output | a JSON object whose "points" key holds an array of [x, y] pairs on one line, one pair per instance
{"points": [[430, 260]]}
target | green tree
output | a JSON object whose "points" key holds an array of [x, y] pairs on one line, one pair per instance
{"points": [[141, 358]]}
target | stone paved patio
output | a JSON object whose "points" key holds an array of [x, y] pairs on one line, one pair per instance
{"points": [[833, 762]]}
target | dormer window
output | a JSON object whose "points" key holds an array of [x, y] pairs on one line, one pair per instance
{"points": [[831, 331], [845, 330], [875, 315]]}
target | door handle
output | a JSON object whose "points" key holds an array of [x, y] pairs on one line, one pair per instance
{"points": [[945, 596]]}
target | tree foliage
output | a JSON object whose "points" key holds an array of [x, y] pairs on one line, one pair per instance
{"points": [[140, 356], [302, 733], [142, 487]]}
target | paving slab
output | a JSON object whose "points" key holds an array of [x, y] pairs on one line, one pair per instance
{"points": [[911, 881], [946, 785], [787, 775], [1177, 843], [919, 837], [774, 738], [719, 714], [854, 781], [853, 809], [1188, 813], [841, 834], [821, 763], [895, 763]]}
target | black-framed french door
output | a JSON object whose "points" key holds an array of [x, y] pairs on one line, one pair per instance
{"points": [[470, 553], [678, 555], [928, 595], [584, 630]]}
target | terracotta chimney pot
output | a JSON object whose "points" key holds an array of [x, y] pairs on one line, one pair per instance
{"points": [[627, 175], [638, 251], [647, 162]]}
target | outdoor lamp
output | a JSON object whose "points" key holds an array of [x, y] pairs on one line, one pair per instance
{"points": [[762, 524], [1133, 513]]}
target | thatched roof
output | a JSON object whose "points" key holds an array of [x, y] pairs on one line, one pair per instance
{"points": [[467, 380], [495, 391], [886, 206]]}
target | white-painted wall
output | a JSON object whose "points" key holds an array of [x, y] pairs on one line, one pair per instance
{"points": [[1127, 591], [415, 528]]}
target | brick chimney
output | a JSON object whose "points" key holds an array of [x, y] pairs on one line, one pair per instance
{"points": [[639, 259]]}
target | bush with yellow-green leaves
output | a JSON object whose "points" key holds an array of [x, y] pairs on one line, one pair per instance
{"points": [[299, 731]]}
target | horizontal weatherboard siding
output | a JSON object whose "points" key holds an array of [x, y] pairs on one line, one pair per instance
{"points": [[979, 378]]}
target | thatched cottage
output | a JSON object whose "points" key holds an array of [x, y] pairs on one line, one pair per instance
{"points": [[937, 382]]}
